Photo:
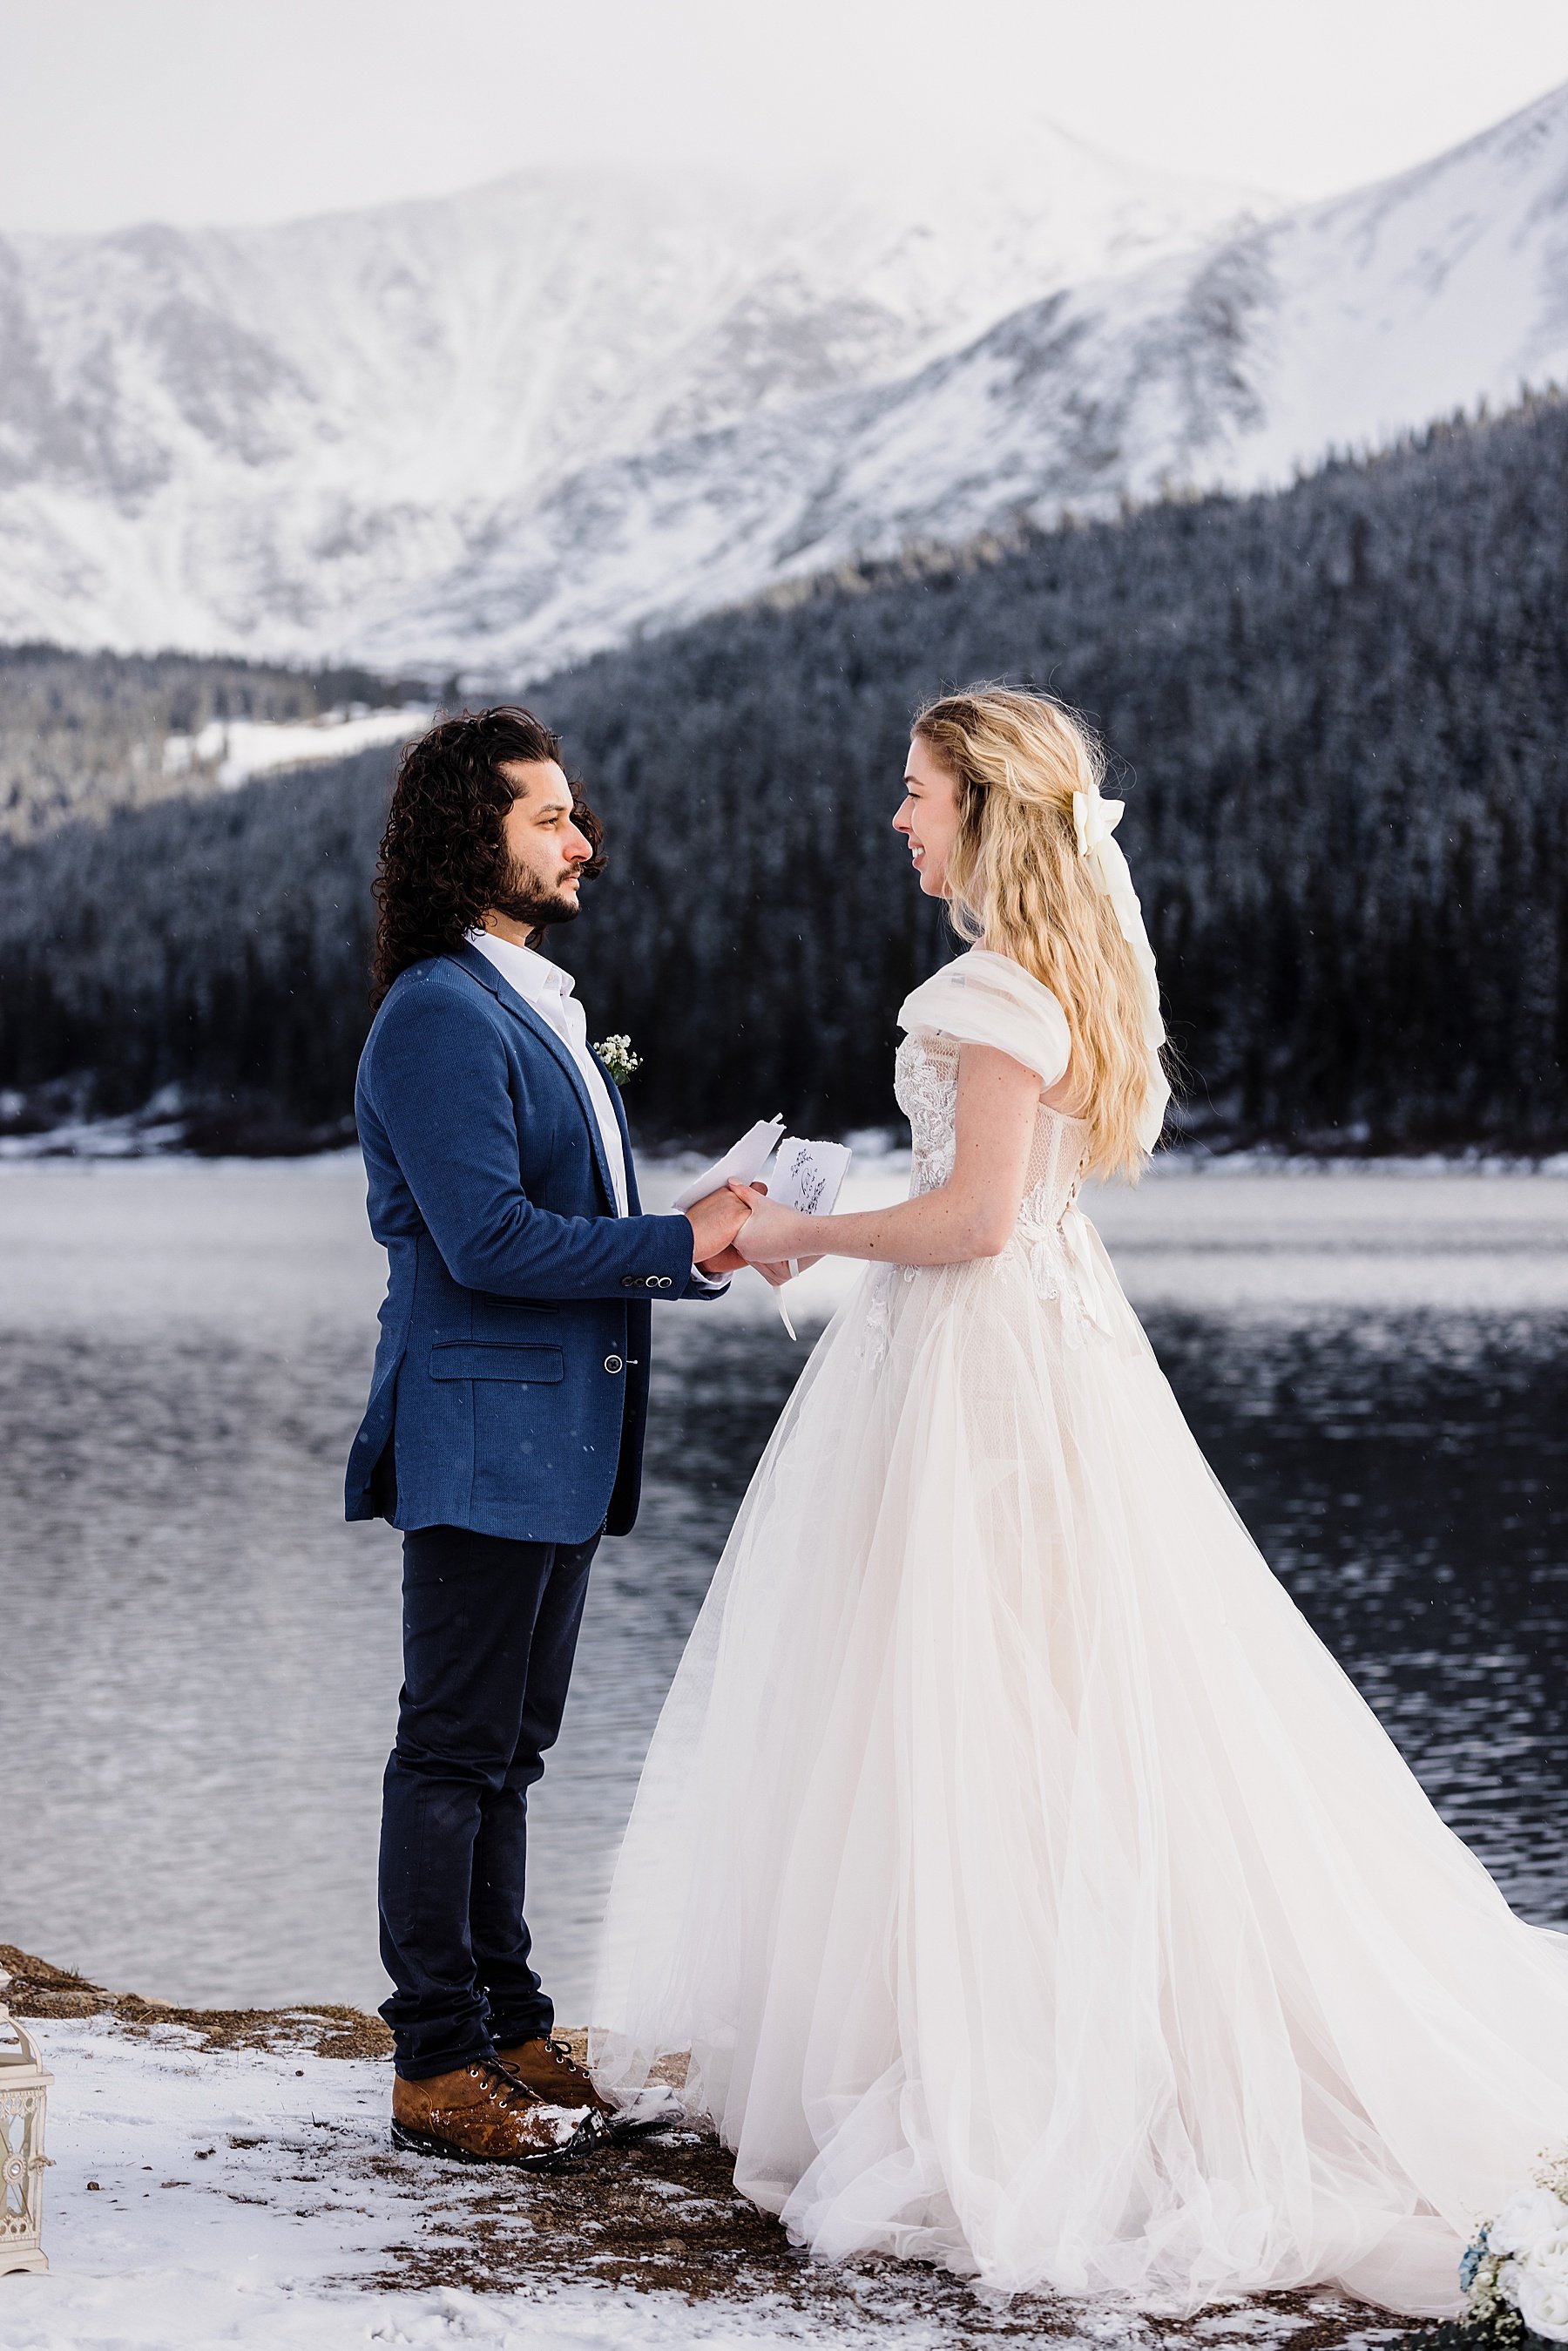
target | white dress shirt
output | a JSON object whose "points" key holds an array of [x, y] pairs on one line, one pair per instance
{"points": [[548, 990]]}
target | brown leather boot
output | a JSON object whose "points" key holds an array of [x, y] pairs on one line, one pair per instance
{"points": [[482, 2114], [549, 2069]]}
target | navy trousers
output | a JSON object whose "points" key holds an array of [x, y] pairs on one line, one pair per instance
{"points": [[490, 1630]]}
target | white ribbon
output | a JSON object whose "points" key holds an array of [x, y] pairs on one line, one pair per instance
{"points": [[1078, 1242], [1094, 820], [1061, 1260]]}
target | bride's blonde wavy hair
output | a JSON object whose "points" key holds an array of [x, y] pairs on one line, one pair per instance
{"points": [[1016, 884]]}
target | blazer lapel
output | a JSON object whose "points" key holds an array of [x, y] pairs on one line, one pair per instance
{"points": [[633, 1205], [481, 968]]}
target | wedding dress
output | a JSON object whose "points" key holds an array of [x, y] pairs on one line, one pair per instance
{"points": [[1033, 1893]]}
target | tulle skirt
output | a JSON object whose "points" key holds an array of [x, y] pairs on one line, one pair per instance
{"points": [[1032, 1890]]}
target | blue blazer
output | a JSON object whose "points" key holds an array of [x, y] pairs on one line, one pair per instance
{"points": [[511, 1378]]}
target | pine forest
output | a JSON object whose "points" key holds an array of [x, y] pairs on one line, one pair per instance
{"points": [[1338, 717]]}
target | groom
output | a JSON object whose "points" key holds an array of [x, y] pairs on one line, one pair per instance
{"points": [[504, 1434]]}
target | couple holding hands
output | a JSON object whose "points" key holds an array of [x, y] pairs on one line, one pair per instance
{"points": [[1022, 1885]]}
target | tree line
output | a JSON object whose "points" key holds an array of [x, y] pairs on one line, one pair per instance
{"points": [[1338, 716]]}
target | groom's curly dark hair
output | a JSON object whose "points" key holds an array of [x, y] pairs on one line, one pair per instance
{"points": [[443, 857]]}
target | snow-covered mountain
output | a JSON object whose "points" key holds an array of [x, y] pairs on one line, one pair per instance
{"points": [[276, 440], [501, 430], [1337, 325]]}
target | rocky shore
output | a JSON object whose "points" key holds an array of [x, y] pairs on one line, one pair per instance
{"points": [[227, 2177]]}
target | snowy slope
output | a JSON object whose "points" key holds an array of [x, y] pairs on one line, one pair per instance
{"points": [[497, 431], [273, 440], [1337, 325], [236, 749]]}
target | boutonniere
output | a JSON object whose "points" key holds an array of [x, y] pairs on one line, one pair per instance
{"points": [[618, 1059]]}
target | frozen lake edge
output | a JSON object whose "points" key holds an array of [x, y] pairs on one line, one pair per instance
{"points": [[290, 1240]]}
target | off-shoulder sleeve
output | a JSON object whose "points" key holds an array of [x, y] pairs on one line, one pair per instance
{"points": [[987, 999]]}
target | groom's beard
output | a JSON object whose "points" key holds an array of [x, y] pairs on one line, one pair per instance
{"points": [[518, 897]]}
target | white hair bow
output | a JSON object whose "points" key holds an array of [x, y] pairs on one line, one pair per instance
{"points": [[1093, 820]]}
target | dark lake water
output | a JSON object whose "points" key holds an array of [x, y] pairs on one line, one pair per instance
{"points": [[198, 1661]]}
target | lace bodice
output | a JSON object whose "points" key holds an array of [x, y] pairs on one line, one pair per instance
{"points": [[926, 1084], [1050, 1243]]}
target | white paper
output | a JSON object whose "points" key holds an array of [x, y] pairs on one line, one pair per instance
{"points": [[743, 1163], [806, 1176]]}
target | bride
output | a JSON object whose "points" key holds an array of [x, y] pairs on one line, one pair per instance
{"points": [[1032, 1891]]}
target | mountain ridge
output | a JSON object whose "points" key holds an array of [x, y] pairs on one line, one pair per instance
{"points": [[246, 439], [372, 449], [1334, 326]]}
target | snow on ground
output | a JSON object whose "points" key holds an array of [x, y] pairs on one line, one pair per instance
{"points": [[247, 2197], [204, 2197], [242, 747]]}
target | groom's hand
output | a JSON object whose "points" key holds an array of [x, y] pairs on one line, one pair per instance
{"points": [[729, 1261], [714, 1222]]}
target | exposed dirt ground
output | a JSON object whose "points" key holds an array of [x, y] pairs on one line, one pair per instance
{"points": [[663, 2211]]}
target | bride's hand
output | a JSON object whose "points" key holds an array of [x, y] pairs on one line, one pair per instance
{"points": [[772, 1235]]}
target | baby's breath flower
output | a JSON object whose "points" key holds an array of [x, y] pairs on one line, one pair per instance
{"points": [[618, 1059]]}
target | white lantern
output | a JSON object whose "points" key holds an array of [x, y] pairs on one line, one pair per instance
{"points": [[23, 2092]]}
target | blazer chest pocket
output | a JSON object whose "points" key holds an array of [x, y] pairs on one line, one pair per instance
{"points": [[495, 1359]]}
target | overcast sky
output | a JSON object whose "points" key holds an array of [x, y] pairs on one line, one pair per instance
{"points": [[118, 110]]}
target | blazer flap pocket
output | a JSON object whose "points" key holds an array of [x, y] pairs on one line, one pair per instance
{"points": [[494, 1359]]}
